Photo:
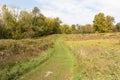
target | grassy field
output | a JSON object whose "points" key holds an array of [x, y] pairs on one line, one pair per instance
{"points": [[59, 67], [61, 57], [98, 55], [20, 56]]}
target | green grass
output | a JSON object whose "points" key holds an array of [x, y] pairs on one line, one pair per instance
{"points": [[73, 57], [20, 68], [61, 64], [18, 57]]}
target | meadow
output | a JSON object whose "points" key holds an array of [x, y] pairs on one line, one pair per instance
{"points": [[97, 55], [17, 57], [64, 57]]}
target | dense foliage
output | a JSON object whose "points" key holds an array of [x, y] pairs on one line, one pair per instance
{"points": [[19, 24], [118, 26], [103, 23], [26, 24]]}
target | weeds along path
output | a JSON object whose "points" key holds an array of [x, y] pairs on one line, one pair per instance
{"points": [[59, 67]]}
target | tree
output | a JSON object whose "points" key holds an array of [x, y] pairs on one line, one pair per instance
{"points": [[118, 26], [24, 25], [56, 26], [73, 29], [110, 21], [2, 29], [88, 28], [65, 29], [9, 21], [100, 23], [52, 26], [78, 27], [36, 11]]}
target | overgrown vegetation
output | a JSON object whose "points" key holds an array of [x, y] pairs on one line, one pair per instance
{"points": [[19, 56], [97, 55], [26, 24], [19, 24]]}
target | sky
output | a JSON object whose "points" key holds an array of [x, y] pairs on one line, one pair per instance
{"points": [[70, 11]]}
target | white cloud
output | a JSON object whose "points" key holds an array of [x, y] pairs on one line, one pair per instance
{"points": [[79, 11], [69, 11]]}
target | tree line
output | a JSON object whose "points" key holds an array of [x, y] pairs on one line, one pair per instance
{"points": [[26, 24], [101, 24], [31, 24]]}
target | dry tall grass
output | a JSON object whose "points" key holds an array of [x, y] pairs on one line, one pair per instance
{"points": [[98, 55]]}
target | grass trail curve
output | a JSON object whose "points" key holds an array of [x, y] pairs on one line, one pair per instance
{"points": [[60, 66]]}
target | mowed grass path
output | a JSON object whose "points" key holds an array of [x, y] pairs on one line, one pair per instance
{"points": [[60, 66]]}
